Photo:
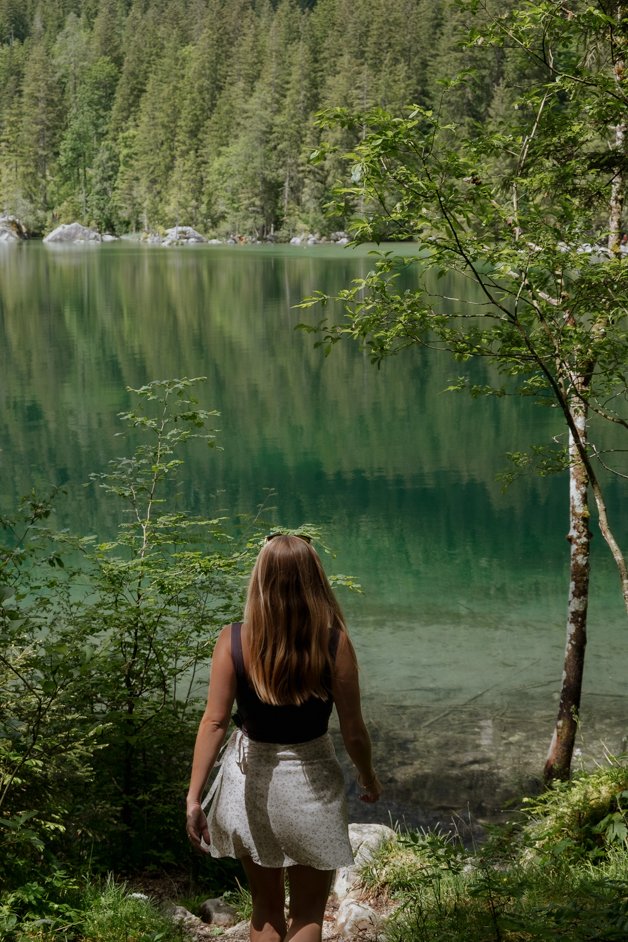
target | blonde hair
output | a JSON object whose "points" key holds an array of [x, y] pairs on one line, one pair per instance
{"points": [[289, 613]]}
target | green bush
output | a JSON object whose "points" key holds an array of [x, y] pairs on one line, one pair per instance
{"points": [[584, 817], [102, 642], [561, 874]]}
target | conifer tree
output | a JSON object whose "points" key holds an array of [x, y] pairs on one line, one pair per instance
{"points": [[39, 130]]}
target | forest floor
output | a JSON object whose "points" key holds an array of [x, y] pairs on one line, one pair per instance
{"points": [[167, 891]]}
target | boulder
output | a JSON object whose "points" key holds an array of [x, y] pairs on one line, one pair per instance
{"points": [[192, 926], [366, 839], [355, 920], [218, 912], [11, 229], [183, 235], [73, 232]]}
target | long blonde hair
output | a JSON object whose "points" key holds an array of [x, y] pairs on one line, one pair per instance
{"points": [[289, 613]]}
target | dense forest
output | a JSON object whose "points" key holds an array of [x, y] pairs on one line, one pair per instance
{"points": [[138, 114]]}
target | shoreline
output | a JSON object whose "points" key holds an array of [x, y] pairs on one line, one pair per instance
{"points": [[463, 773]]}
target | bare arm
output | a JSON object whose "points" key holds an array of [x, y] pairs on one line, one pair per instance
{"points": [[211, 733], [346, 693]]}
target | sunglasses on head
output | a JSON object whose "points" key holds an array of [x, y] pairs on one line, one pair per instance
{"points": [[300, 536]]}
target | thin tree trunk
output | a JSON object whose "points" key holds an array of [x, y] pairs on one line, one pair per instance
{"points": [[617, 195], [616, 207], [558, 763]]}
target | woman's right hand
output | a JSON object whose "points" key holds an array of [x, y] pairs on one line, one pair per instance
{"points": [[370, 789], [197, 829]]}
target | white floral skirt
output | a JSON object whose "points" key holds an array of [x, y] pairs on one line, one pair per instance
{"points": [[280, 804]]}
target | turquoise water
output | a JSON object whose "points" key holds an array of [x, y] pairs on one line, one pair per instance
{"points": [[464, 585]]}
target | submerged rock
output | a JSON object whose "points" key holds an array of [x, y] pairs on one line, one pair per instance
{"points": [[73, 232], [11, 229]]}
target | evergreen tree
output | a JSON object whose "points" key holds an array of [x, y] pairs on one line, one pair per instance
{"points": [[38, 131], [156, 133], [127, 196], [14, 24], [11, 65], [107, 30], [291, 132]]}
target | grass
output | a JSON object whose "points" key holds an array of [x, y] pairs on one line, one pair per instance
{"points": [[105, 912], [560, 874]]}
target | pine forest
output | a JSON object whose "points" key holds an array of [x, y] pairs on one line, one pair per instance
{"points": [[133, 115]]}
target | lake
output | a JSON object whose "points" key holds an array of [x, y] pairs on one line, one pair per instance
{"points": [[460, 625]]}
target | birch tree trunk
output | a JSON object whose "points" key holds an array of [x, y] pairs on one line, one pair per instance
{"points": [[558, 763], [616, 207]]}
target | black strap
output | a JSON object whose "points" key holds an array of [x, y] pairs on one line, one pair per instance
{"points": [[334, 641], [236, 648]]}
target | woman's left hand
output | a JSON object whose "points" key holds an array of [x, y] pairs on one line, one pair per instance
{"points": [[197, 828]]}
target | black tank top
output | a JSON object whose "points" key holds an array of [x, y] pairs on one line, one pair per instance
{"points": [[266, 722]]}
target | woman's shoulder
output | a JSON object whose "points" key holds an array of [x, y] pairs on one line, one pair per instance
{"points": [[345, 652], [225, 637]]}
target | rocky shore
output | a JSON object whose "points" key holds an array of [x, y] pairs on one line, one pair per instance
{"points": [[75, 233], [349, 916], [12, 229]]}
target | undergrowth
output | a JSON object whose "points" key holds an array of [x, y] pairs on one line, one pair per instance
{"points": [[560, 873]]}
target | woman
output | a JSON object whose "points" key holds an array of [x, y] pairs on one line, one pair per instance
{"points": [[278, 801]]}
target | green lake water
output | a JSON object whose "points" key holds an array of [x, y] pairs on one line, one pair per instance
{"points": [[460, 627]]}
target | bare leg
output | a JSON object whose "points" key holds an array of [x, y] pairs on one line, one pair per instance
{"points": [[309, 890], [268, 922]]}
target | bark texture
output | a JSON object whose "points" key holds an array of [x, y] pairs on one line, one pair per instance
{"points": [[558, 763]]}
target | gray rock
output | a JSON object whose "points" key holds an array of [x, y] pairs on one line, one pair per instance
{"points": [[190, 924], [354, 918], [73, 232], [218, 912], [11, 229], [183, 235], [366, 839], [239, 931], [305, 238]]}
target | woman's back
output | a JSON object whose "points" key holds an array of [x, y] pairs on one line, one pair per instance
{"points": [[280, 723]]}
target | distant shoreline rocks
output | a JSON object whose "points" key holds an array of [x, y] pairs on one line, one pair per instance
{"points": [[186, 235], [183, 235], [308, 238], [12, 229], [74, 232]]}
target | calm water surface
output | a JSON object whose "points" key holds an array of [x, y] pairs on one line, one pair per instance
{"points": [[460, 627]]}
